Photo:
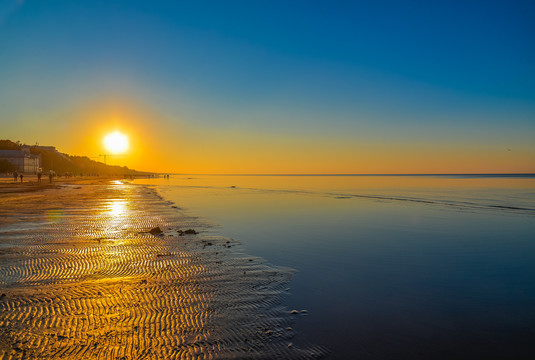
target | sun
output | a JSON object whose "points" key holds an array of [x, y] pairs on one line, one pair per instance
{"points": [[116, 142]]}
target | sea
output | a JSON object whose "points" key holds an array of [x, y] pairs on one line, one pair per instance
{"points": [[387, 266]]}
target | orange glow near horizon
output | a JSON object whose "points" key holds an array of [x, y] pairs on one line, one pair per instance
{"points": [[99, 118], [164, 142]]}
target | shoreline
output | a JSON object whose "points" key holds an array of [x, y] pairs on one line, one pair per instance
{"points": [[81, 277], [30, 184]]}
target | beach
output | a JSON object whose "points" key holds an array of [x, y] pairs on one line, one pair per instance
{"points": [[107, 269], [267, 267], [267, 180]]}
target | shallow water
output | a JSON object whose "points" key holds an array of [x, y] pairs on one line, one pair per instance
{"points": [[388, 267]]}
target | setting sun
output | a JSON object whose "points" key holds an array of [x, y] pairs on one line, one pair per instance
{"points": [[116, 142]]}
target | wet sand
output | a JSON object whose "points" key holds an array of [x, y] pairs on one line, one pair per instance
{"points": [[82, 278], [31, 184]]}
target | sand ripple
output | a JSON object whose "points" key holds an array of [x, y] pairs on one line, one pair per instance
{"points": [[81, 278]]}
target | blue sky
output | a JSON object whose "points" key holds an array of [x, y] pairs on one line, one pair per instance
{"points": [[390, 70]]}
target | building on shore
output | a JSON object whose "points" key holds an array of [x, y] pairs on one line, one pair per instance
{"points": [[25, 161]]}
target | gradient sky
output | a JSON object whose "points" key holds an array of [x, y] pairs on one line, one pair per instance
{"points": [[275, 86]]}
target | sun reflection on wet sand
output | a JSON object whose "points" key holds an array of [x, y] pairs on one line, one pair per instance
{"points": [[99, 285], [117, 208]]}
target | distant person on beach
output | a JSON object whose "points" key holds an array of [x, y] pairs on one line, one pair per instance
{"points": [[39, 174], [21, 176], [50, 175], [15, 176]]}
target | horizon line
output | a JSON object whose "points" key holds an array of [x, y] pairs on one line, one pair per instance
{"points": [[367, 174]]}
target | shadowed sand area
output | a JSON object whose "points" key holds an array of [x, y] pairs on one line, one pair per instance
{"points": [[81, 278]]}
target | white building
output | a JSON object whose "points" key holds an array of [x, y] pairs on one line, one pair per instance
{"points": [[22, 159]]}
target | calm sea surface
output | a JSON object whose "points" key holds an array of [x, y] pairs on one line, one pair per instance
{"points": [[388, 267]]}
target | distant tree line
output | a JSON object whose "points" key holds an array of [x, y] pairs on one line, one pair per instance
{"points": [[64, 163]]}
